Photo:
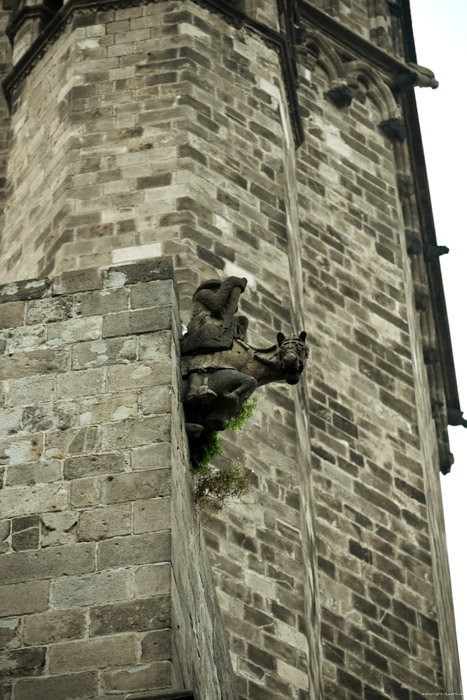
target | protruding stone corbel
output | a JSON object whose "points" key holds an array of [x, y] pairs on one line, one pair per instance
{"points": [[394, 129], [425, 76], [341, 95], [455, 417], [430, 355], [432, 252]]}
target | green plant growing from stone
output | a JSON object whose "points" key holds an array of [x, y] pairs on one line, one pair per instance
{"points": [[215, 485]]}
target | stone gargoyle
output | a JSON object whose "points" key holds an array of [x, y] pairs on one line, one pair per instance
{"points": [[219, 369]]}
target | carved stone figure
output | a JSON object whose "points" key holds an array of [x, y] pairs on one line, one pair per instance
{"points": [[219, 369], [213, 325]]}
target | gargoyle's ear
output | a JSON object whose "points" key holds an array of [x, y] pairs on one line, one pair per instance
{"points": [[302, 336], [280, 338]]}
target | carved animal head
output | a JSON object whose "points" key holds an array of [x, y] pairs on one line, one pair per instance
{"points": [[293, 353]]}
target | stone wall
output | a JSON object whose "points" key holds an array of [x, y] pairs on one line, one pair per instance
{"points": [[166, 128], [105, 582]]}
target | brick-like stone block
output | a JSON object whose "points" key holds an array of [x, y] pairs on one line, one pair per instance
{"points": [[103, 352], [156, 399], [109, 407], [84, 382], [156, 646], [152, 456], [157, 293], [134, 616], [33, 362], [74, 330], [49, 309], [24, 598], [102, 302], [89, 654], [77, 281], [153, 580], [136, 432], [58, 528], [93, 589], [40, 498], [140, 374], [30, 391], [156, 675], [137, 321], [137, 485], [84, 493], [47, 563], [72, 442], [22, 662], [12, 314], [133, 550], [24, 290], [93, 464], [65, 687], [152, 515], [54, 626], [102, 523], [146, 271]]}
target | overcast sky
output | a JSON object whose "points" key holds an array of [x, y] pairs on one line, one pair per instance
{"points": [[440, 30]]}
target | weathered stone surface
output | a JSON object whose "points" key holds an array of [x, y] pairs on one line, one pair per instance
{"points": [[80, 383], [153, 580], [20, 449], [157, 293], [12, 314], [103, 352], [59, 528], [63, 687], [54, 626], [93, 464], [22, 662], [156, 646], [24, 598], [47, 563], [135, 432], [152, 515], [77, 281], [109, 407], [155, 675], [134, 616], [26, 392], [137, 321], [121, 488], [28, 364], [79, 591], [156, 399], [151, 456], [140, 374], [33, 473], [41, 498], [102, 302], [93, 653], [48, 310], [10, 633], [102, 523], [137, 549], [74, 330]]}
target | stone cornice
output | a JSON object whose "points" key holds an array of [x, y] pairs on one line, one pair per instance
{"points": [[220, 7]]}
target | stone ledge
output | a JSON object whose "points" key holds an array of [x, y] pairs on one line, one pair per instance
{"points": [[90, 279]]}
